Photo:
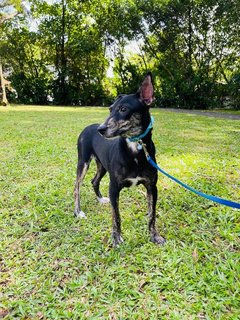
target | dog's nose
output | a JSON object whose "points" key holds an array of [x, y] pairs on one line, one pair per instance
{"points": [[102, 129]]}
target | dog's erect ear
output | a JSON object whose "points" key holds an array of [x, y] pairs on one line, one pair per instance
{"points": [[146, 89]]}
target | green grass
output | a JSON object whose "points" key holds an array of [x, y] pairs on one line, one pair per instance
{"points": [[56, 267]]}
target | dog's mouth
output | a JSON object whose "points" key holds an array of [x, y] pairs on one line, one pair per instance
{"points": [[111, 133], [111, 129], [108, 133]]}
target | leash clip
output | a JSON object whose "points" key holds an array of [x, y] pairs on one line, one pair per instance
{"points": [[141, 146]]}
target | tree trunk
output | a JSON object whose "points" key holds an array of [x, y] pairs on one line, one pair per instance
{"points": [[190, 31], [63, 57], [4, 101]]}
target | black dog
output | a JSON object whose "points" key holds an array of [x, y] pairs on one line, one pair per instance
{"points": [[112, 146]]}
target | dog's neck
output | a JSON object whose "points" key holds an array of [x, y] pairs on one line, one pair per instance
{"points": [[133, 146], [147, 126], [145, 137]]}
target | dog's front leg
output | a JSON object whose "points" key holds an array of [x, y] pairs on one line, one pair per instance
{"points": [[116, 219], [152, 200]]}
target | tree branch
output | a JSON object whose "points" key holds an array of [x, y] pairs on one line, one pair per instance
{"points": [[3, 18]]}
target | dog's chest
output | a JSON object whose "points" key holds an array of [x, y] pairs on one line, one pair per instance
{"points": [[136, 175], [135, 181], [135, 170], [133, 146]]}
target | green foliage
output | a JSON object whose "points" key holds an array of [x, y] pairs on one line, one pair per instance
{"points": [[234, 87], [194, 46], [54, 266], [25, 61], [76, 51], [65, 49], [127, 74]]}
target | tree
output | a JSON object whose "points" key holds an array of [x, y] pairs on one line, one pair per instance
{"points": [[192, 46], [69, 31], [15, 7], [195, 48], [25, 62]]}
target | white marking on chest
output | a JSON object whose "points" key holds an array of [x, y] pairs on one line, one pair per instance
{"points": [[133, 146], [134, 181]]}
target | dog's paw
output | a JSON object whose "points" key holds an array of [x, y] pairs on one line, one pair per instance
{"points": [[156, 238], [80, 214], [117, 239], [103, 200]]}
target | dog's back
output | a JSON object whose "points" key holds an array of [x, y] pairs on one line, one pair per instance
{"points": [[92, 144]]}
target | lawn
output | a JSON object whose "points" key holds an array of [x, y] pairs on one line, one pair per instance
{"points": [[54, 266]]}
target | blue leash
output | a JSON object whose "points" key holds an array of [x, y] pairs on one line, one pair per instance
{"points": [[225, 202], [141, 145]]}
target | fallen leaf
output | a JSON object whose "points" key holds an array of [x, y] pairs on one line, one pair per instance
{"points": [[195, 255]]}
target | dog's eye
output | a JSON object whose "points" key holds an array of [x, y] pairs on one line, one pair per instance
{"points": [[122, 109]]}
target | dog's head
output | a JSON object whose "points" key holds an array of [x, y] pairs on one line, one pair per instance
{"points": [[129, 113]]}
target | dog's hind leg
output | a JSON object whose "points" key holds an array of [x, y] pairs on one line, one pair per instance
{"points": [[101, 171], [152, 200], [85, 154], [81, 172]]}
